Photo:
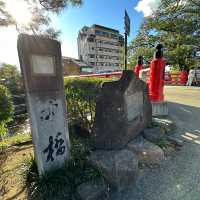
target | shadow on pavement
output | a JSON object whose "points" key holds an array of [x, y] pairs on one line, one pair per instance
{"points": [[187, 119]]}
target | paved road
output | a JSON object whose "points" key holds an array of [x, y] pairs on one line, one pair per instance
{"points": [[184, 106], [178, 178]]}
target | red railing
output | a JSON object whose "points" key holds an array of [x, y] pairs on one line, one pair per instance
{"points": [[179, 78], [102, 75]]}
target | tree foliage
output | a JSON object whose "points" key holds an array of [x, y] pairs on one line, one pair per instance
{"points": [[175, 24], [142, 45], [40, 23], [56, 6], [5, 18], [11, 78], [6, 109]]}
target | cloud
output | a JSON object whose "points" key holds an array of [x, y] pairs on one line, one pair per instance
{"points": [[147, 6]]}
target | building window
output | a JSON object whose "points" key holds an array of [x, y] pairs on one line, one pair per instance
{"points": [[114, 36], [105, 34], [90, 39], [99, 41], [97, 32], [91, 55]]}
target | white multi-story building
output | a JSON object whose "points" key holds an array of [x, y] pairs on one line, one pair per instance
{"points": [[100, 47]]}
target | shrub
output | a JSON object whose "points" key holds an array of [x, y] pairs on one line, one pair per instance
{"points": [[81, 96], [6, 109], [60, 183]]}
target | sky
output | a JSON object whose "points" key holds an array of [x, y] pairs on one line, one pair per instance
{"points": [[108, 13]]}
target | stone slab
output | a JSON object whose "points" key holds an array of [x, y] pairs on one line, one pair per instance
{"points": [[41, 66], [147, 152], [154, 135], [123, 110], [93, 190], [159, 109], [120, 167], [165, 123]]}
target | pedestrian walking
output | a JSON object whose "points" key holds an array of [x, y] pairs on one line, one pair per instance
{"points": [[139, 66], [191, 77], [197, 76]]}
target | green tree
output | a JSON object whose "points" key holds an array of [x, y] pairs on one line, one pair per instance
{"points": [[142, 45], [39, 24], [6, 109], [11, 77], [57, 6], [175, 24]]}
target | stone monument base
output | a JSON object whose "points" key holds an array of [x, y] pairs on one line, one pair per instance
{"points": [[159, 109]]}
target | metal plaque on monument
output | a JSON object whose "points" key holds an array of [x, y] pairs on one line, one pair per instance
{"points": [[40, 61]]}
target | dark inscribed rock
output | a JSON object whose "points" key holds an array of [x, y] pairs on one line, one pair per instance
{"points": [[123, 110]]}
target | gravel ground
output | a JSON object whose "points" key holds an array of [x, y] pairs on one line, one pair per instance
{"points": [[178, 178]]}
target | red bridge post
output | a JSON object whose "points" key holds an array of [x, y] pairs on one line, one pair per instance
{"points": [[183, 77], [156, 83], [156, 78]]}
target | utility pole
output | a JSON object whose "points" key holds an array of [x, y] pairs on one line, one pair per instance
{"points": [[126, 34], [125, 51]]}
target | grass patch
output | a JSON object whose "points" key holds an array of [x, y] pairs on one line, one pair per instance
{"points": [[14, 140], [62, 183]]}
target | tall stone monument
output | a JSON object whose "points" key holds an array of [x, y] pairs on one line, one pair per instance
{"points": [[40, 61], [123, 110]]}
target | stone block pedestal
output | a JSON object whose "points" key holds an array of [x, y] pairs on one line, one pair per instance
{"points": [[159, 109], [119, 167]]}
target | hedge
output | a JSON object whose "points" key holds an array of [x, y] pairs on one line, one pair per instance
{"points": [[81, 96]]}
